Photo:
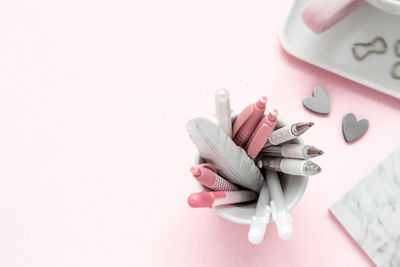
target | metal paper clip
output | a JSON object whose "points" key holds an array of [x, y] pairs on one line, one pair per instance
{"points": [[397, 48], [380, 50]]}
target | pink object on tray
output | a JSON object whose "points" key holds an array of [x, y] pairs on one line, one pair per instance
{"points": [[320, 15]]}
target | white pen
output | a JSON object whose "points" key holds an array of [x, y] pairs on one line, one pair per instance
{"points": [[290, 166], [295, 151], [279, 212], [260, 219], [288, 133], [223, 111]]}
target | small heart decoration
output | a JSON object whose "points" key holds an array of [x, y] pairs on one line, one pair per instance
{"points": [[318, 102], [353, 129]]}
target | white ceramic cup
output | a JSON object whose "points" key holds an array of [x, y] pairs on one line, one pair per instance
{"points": [[293, 189]]}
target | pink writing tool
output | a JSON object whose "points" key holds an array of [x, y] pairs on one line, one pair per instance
{"points": [[261, 133], [320, 15], [210, 199], [207, 176], [247, 121]]}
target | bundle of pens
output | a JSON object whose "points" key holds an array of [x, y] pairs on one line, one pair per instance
{"points": [[236, 154]]}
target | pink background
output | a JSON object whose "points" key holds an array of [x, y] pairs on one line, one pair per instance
{"points": [[94, 156]]}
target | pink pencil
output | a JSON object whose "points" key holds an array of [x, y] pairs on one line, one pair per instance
{"points": [[207, 176], [247, 121], [261, 133]]}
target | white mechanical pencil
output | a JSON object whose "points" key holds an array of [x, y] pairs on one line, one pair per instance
{"points": [[223, 111], [260, 219], [280, 214]]}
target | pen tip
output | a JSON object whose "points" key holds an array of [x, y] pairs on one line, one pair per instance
{"points": [[310, 124], [313, 151]]}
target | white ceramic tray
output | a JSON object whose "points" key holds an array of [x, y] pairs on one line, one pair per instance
{"points": [[331, 50]]}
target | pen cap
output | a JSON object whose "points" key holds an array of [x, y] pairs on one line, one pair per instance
{"points": [[293, 188], [258, 226], [283, 222]]}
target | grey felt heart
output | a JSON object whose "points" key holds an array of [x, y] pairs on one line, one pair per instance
{"points": [[353, 129], [318, 102]]}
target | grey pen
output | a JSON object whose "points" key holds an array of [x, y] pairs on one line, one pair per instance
{"points": [[290, 166], [296, 151], [288, 133]]}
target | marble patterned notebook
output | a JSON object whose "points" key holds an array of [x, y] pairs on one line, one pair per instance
{"points": [[370, 212]]}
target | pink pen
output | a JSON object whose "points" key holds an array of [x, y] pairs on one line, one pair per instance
{"points": [[320, 15], [247, 121], [261, 133], [207, 175], [210, 199]]}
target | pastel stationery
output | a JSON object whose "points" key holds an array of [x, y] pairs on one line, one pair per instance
{"points": [[211, 199], [261, 133], [370, 212], [219, 150], [223, 110], [294, 151], [321, 15], [290, 166], [288, 132], [247, 121], [260, 218], [207, 175], [280, 215]]}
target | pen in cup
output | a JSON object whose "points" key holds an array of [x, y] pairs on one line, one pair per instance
{"points": [[210, 199], [290, 166], [223, 111], [247, 121], [288, 133], [261, 216], [295, 151], [207, 175], [260, 135], [279, 212]]}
